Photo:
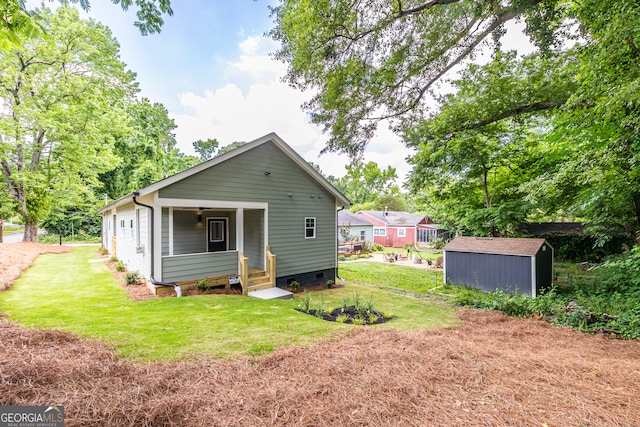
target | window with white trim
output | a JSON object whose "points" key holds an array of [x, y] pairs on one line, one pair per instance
{"points": [[363, 235], [122, 230], [379, 231], [402, 232], [310, 228], [131, 229]]}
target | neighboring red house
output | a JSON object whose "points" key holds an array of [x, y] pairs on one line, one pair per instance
{"points": [[396, 229]]}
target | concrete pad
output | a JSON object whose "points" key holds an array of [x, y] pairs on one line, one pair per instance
{"points": [[272, 293]]}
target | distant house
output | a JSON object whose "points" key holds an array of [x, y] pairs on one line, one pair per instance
{"points": [[259, 214], [507, 264], [354, 227], [396, 229]]}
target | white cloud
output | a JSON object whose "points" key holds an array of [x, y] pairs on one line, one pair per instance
{"points": [[255, 102]]}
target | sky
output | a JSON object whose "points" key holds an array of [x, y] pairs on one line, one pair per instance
{"points": [[210, 67]]}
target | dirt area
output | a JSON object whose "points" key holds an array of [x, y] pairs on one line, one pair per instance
{"points": [[17, 257], [491, 371]]}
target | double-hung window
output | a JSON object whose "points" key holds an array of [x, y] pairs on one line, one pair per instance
{"points": [[310, 228]]}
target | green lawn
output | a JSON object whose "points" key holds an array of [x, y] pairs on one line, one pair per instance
{"points": [[70, 292], [407, 279]]}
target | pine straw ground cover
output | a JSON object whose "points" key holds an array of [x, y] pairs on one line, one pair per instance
{"points": [[492, 371]]}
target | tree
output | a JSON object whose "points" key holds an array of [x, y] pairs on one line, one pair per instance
{"points": [[367, 182], [230, 147], [147, 152], [62, 106], [381, 59], [17, 24], [206, 149], [485, 142]]}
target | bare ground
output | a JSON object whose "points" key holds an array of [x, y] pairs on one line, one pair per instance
{"points": [[492, 371]]}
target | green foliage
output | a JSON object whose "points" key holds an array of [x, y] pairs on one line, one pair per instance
{"points": [[19, 25], [581, 247], [206, 149], [294, 285], [120, 266], [342, 318], [63, 95], [132, 277], [203, 285], [367, 183], [330, 284], [306, 302]]}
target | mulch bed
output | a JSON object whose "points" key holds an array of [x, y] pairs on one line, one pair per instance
{"points": [[351, 313]]}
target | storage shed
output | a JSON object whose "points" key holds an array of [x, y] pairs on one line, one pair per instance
{"points": [[508, 264]]}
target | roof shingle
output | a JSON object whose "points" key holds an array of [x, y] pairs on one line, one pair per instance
{"points": [[495, 245]]}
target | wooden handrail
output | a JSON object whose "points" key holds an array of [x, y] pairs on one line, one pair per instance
{"points": [[271, 266], [243, 262]]}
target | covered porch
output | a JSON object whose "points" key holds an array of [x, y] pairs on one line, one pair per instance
{"points": [[213, 240]]}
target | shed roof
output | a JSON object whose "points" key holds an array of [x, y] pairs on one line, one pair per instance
{"points": [[495, 245], [394, 218], [347, 219]]}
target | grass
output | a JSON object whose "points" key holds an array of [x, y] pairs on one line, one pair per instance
{"points": [[407, 279], [12, 229], [84, 298]]}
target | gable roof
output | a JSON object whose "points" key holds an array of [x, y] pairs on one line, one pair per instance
{"points": [[394, 218], [346, 219], [495, 245], [272, 137]]}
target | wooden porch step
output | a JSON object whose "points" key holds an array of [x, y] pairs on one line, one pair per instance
{"points": [[260, 286], [254, 272]]}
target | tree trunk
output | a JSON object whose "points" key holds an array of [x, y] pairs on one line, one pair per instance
{"points": [[1, 231], [30, 232]]}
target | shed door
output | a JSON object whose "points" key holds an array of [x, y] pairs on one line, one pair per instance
{"points": [[217, 234]]}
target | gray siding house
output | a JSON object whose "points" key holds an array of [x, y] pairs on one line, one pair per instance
{"points": [[259, 212], [354, 227], [507, 264]]}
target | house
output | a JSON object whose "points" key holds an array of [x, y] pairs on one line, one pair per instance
{"points": [[512, 265], [354, 227], [355, 233], [396, 229], [259, 214]]}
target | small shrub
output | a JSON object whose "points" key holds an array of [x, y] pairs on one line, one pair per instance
{"points": [[203, 285], [342, 258], [120, 266], [358, 320], [132, 277], [376, 247], [306, 302], [345, 303], [113, 258], [328, 310], [342, 318], [294, 285], [103, 250], [387, 315], [320, 309], [373, 318], [330, 284]]}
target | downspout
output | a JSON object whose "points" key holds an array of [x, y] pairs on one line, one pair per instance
{"points": [[151, 230], [337, 263]]}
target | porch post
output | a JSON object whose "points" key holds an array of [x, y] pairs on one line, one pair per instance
{"points": [[240, 229], [157, 241]]}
